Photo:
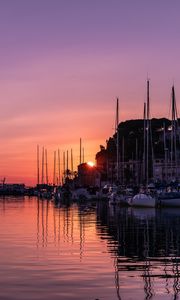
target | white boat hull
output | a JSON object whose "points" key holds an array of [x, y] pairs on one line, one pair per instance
{"points": [[142, 200]]}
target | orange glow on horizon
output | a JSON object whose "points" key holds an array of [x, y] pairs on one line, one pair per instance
{"points": [[91, 163]]}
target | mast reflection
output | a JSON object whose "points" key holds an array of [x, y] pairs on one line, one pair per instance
{"points": [[62, 224], [144, 242]]}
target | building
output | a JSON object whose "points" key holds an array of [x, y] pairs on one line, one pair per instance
{"points": [[88, 175], [166, 171], [160, 164]]}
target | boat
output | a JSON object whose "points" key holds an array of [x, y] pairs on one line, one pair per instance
{"points": [[121, 197], [107, 191], [81, 194], [63, 194], [142, 200], [169, 199]]}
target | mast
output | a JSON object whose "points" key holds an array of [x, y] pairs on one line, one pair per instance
{"points": [[176, 132], [107, 163], [38, 164], [46, 166], [59, 176], [72, 169], [54, 176], [80, 156], [147, 136], [165, 151], [117, 143], [67, 163], [173, 135], [144, 144], [42, 179], [64, 167]]}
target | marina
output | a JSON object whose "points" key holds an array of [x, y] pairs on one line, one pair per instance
{"points": [[89, 150]]}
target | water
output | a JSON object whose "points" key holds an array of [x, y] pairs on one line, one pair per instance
{"points": [[87, 251]]}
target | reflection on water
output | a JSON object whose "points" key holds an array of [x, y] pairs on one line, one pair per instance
{"points": [[90, 251], [147, 247]]}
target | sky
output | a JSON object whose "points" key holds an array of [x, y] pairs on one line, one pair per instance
{"points": [[64, 62]]}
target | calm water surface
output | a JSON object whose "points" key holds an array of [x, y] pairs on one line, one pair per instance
{"points": [[87, 252]]}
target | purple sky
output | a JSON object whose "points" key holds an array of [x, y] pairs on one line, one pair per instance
{"points": [[63, 63]]}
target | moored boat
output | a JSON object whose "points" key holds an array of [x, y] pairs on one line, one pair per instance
{"points": [[121, 197], [80, 194], [142, 200], [169, 199]]}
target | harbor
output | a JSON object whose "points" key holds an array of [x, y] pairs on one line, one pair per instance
{"points": [[140, 166], [105, 229], [89, 150]]}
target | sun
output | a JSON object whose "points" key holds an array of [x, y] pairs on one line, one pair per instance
{"points": [[90, 163]]}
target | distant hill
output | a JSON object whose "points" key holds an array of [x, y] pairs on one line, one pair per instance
{"points": [[131, 134]]}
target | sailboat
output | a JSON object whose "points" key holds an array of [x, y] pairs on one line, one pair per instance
{"points": [[116, 195], [143, 199], [172, 198]]}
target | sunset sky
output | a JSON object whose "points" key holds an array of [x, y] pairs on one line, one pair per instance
{"points": [[64, 62]]}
